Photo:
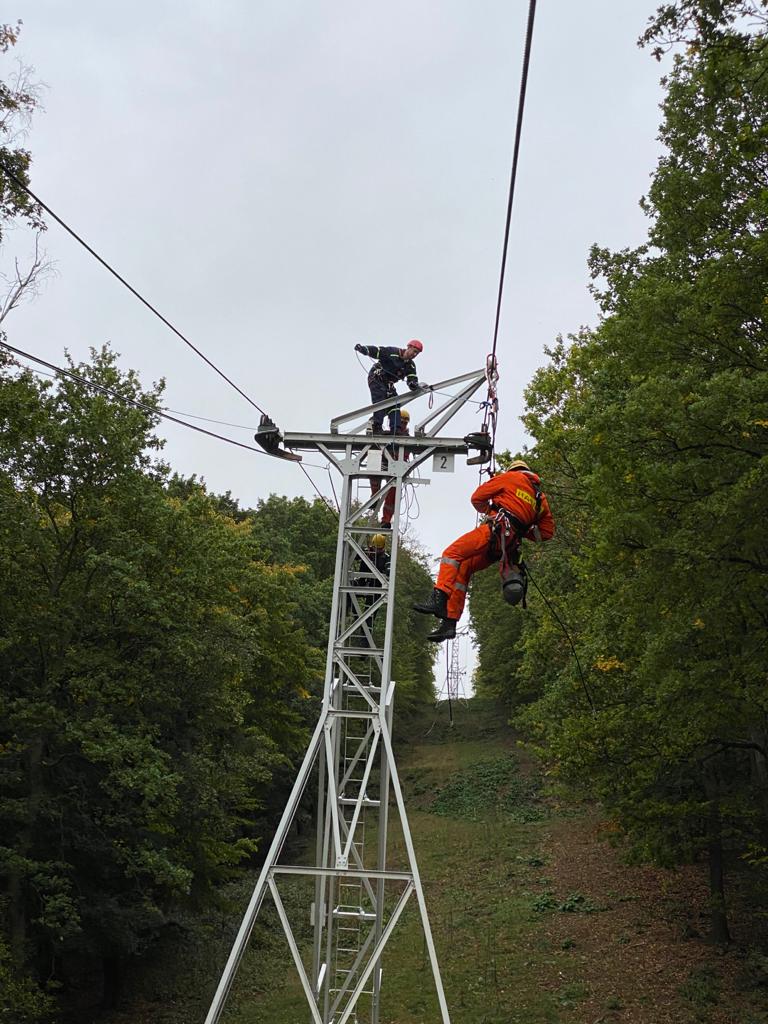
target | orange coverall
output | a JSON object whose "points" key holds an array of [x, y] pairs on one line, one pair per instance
{"points": [[512, 491], [388, 509]]}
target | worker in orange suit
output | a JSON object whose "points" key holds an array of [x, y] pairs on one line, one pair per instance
{"points": [[516, 508]]}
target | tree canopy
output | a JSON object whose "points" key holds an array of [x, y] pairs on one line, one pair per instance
{"points": [[651, 436]]}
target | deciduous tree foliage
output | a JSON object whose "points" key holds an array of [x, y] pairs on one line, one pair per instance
{"points": [[651, 435], [17, 103], [154, 676], [293, 530], [159, 651]]}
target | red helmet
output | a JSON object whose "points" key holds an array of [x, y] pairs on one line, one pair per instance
{"points": [[415, 343]]}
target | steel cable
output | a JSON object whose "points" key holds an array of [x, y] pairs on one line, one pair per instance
{"points": [[123, 398], [21, 184]]}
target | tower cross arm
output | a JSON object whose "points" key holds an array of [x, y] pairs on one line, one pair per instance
{"points": [[340, 442]]}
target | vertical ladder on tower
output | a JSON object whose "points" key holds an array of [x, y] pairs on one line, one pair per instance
{"points": [[358, 897]]}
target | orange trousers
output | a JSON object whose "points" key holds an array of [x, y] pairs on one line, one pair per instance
{"points": [[388, 509], [461, 560]]}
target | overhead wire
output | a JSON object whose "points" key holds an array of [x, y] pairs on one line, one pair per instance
{"points": [[491, 404], [154, 410], [22, 185], [321, 496], [44, 206], [515, 158]]}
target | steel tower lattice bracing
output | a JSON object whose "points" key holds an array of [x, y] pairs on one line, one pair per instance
{"points": [[358, 898]]}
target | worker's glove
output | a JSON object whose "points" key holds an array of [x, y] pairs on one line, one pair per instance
{"points": [[360, 348]]}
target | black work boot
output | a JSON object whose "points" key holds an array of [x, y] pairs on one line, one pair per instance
{"points": [[445, 631], [436, 605]]}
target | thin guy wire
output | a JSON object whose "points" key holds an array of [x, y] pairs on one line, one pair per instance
{"points": [[206, 419], [316, 490], [330, 481], [567, 636], [18, 181], [122, 398]]}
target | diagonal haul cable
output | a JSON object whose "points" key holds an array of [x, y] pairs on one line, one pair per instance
{"points": [[22, 185], [123, 398]]}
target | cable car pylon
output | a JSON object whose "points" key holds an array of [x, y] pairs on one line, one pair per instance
{"points": [[357, 898]]}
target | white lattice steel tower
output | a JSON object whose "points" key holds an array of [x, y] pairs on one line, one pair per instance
{"points": [[358, 899]]}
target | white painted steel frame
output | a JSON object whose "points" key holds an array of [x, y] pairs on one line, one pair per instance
{"points": [[336, 835]]}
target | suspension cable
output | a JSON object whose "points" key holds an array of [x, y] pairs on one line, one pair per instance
{"points": [[491, 405], [515, 156], [150, 409], [123, 398], [22, 185]]}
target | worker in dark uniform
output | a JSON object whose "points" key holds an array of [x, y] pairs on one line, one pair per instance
{"points": [[392, 364]]}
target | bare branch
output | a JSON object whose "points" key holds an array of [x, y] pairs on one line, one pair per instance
{"points": [[25, 281]]}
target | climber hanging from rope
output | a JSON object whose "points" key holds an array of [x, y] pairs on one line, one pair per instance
{"points": [[515, 508], [392, 364]]}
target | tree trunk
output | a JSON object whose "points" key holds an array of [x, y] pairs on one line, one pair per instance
{"points": [[18, 910], [719, 932], [112, 974], [759, 767]]}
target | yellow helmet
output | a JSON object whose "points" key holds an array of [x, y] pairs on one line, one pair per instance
{"points": [[378, 540], [519, 464], [405, 416]]}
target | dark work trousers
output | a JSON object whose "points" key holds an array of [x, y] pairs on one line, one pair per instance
{"points": [[381, 389]]}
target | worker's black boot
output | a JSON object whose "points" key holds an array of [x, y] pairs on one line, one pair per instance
{"points": [[436, 605], [445, 631]]}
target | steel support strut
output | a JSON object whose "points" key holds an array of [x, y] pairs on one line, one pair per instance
{"points": [[358, 899]]}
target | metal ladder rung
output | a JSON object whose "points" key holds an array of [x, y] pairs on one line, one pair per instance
{"points": [[375, 652], [359, 914]]}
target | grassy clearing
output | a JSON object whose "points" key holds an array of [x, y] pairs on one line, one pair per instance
{"points": [[535, 921]]}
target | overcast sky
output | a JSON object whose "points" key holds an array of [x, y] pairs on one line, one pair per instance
{"points": [[285, 179]]}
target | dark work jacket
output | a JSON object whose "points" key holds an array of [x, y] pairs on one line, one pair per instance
{"points": [[391, 366]]}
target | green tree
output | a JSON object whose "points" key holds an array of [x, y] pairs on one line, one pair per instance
{"points": [[654, 427], [154, 677], [18, 101]]}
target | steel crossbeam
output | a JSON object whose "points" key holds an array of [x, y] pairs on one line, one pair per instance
{"points": [[356, 906]]}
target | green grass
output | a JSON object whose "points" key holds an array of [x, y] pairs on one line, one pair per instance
{"points": [[482, 842], [475, 817], [491, 786]]}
